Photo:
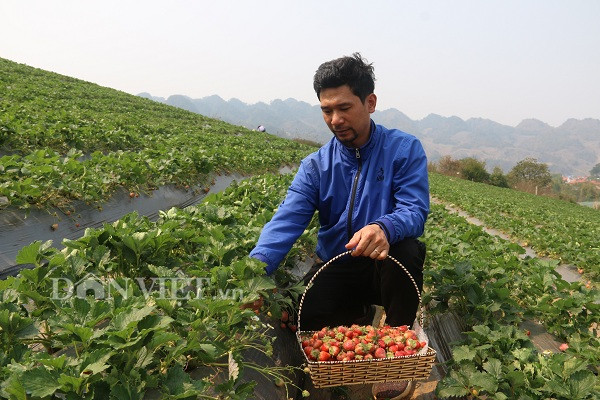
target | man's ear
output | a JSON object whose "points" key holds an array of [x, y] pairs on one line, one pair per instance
{"points": [[371, 102]]}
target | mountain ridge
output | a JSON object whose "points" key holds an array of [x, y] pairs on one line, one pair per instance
{"points": [[572, 148]]}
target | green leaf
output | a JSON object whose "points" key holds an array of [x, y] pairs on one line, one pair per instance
{"points": [[494, 367], [582, 384], [462, 353], [453, 391], [130, 317], [70, 383], [54, 362], [40, 382], [484, 381], [13, 388], [30, 254], [175, 380]]}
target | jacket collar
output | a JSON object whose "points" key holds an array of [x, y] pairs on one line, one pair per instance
{"points": [[365, 149]]}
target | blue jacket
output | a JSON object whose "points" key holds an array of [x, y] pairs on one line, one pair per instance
{"points": [[384, 182]]}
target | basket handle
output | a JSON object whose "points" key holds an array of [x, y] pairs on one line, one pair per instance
{"points": [[308, 286]]}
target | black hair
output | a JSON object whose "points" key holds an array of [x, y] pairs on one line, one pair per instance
{"points": [[352, 71]]}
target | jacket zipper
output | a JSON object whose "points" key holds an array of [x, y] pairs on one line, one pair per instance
{"points": [[353, 195]]}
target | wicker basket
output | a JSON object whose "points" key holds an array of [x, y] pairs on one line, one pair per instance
{"points": [[335, 373]]}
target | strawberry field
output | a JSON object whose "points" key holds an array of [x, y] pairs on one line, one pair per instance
{"points": [[564, 231], [65, 140], [172, 308], [171, 301]]}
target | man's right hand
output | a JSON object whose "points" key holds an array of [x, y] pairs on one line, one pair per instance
{"points": [[371, 242]]}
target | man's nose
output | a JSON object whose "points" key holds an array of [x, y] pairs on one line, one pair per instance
{"points": [[336, 118]]}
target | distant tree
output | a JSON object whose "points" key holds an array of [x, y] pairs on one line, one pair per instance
{"points": [[497, 178], [530, 171], [595, 171], [448, 166], [474, 170]]}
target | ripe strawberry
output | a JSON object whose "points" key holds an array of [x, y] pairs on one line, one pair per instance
{"points": [[324, 356], [285, 316], [361, 349], [334, 350], [563, 347], [349, 345], [380, 353], [315, 354]]}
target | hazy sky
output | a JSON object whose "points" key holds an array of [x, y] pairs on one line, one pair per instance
{"points": [[504, 60]]}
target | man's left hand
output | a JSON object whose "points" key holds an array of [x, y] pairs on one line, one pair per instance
{"points": [[371, 242]]}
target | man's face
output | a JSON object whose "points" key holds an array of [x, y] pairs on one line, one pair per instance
{"points": [[346, 116]]}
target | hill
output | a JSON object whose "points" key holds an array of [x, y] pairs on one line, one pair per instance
{"points": [[64, 140], [572, 148]]}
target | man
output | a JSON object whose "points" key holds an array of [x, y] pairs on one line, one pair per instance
{"points": [[371, 189]]}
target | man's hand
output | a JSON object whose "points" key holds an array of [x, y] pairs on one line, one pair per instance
{"points": [[371, 242]]}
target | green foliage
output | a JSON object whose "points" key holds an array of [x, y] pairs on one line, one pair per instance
{"points": [[167, 299], [66, 140], [595, 171], [529, 170], [474, 170], [497, 178], [485, 281], [558, 229]]}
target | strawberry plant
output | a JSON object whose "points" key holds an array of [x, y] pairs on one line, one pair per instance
{"points": [[138, 307], [498, 360]]}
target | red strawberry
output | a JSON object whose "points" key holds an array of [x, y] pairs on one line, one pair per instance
{"points": [[349, 345], [285, 316], [314, 354], [308, 350], [380, 353], [334, 350], [324, 356]]}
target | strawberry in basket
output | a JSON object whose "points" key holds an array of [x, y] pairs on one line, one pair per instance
{"points": [[360, 342]]}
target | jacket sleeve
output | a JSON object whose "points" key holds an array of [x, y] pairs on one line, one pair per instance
{"points": [[290, 220], [411, 194]]}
